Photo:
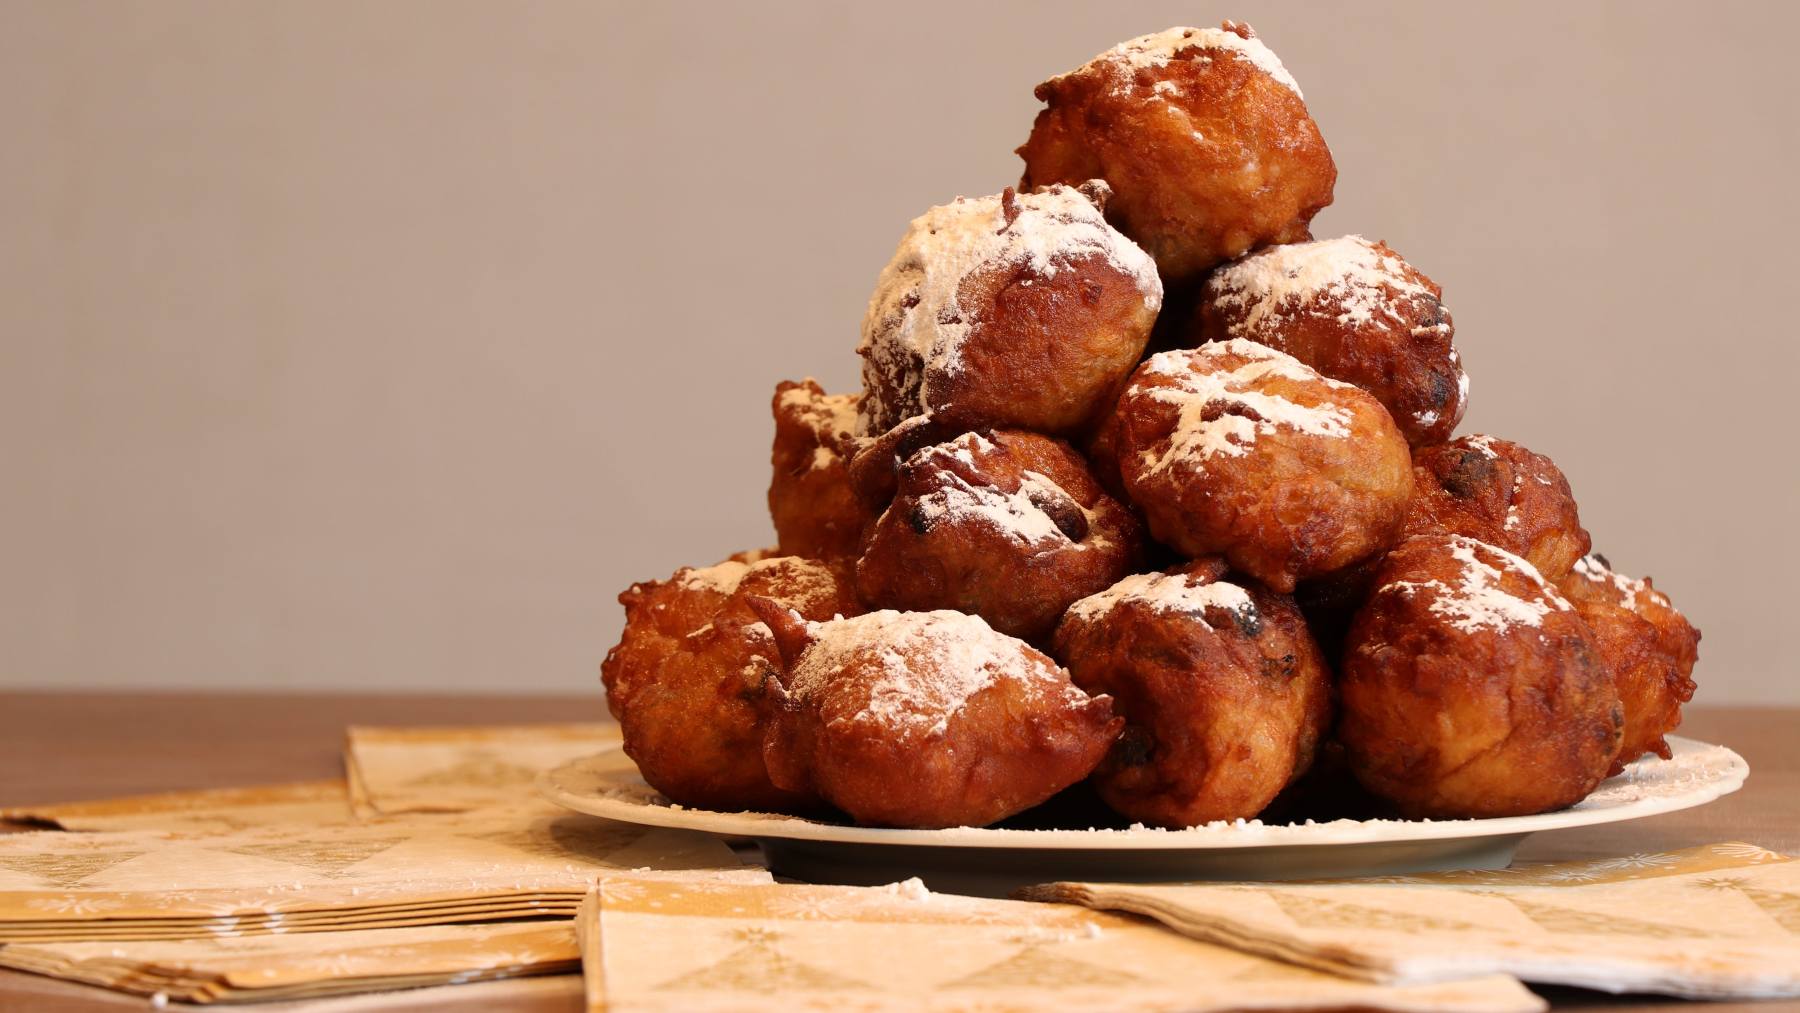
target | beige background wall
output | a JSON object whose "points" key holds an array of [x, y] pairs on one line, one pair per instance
{"points": [[379, 345]]}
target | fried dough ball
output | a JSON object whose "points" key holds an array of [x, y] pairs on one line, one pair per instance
{"points": [[1471, 689], [1354, 311], [1479, 486], [1650, 646], [927, 719], [1022, 310], [1203, 136], [1005, 525], [1498, 492], [1223, 692], [1237, 449], [816, 513], [689, 678]]}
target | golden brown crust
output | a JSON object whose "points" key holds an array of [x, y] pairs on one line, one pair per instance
{"points": [[816, 513], [689, 678], [1471, 689], [1239, 450], [1650, 647], [926, 720], [1006, 525], [1035, 329], [1355, 311], [1208, 154], [1224, 693], [1500, 493]]}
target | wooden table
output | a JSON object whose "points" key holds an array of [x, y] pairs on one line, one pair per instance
{"points": [[66, 746]]}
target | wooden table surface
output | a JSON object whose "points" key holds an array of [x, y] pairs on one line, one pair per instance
{"points": [[67, 746]]}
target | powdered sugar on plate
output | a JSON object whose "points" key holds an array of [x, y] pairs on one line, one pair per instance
{"points": [[1160, 48], [915, 670], [916, 327], [1477, 600], [1165, 592], [1363, 282], [1223, 410]]}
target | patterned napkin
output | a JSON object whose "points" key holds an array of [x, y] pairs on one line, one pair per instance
{"points": [[418, 770], [528, 860], [262, 968], [306, 802], [388, 771], [658, 945], [1715, 922]]}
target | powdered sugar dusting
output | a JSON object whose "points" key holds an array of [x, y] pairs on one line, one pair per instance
{"points": [[1477, 600], [913, 889], [1159, 48], [1222, 411], [915, 327], [832, 418], [1166, 592], [804, 583], [1365, 282], [1483, 443], [723, 578], [928, 665], [1591, 567], [1019, 514]]}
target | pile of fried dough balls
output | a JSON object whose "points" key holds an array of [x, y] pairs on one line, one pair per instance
{"points": [[1070, 534]]}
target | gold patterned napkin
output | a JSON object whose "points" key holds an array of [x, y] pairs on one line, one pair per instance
{"points": [[414, 770], [652, 945], [1721, 921], [304, 802], [388, 771], [417, 870], [262, 968]]}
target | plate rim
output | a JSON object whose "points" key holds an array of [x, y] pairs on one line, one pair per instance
{"points": [[1221, 836]]}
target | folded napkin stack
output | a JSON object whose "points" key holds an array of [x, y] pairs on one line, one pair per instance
{"points": [[1721, 921], [653, 945], [268, 967], [303, 802], [530, 860]]}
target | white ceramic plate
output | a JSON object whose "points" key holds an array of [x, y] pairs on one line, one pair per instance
{"points": [[995, 861]]}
